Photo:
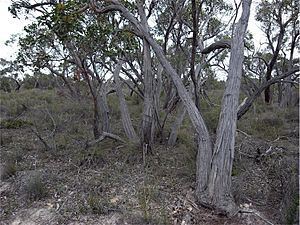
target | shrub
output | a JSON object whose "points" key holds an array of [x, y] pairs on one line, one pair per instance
{"points": [[145, 195], [98, 204], [211, 118], [7, 170], [34, 187], [268, 125], [14, 123]]}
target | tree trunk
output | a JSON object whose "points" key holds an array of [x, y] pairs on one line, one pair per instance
{"points": [[204, 142], [217, 194], [147, 118], [193, 54], [157, 129], [204, 158], [287, 98], [126, 121], [176, 125], [96, 121], [178, 121], [267, 93], [104, 110]]}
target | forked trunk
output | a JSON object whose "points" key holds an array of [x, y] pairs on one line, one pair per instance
{"points": [[217, 194], [147, 119], [209, 178], [147, 133], [178, 122]]}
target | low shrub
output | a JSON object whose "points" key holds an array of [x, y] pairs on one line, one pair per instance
{"points": [[14, 123], [267, 126], [34, 187], [7, 170]]}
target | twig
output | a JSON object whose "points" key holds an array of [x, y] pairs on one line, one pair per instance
{"points": [[102, 137], [54, 128], [248, 155], [53, 122], [244, 133], [48, 148], [144, 154], [280, 137], [257, 214]]}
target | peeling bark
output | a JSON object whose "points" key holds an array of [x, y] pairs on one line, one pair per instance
{"points": [[217, 194], [209, 180], [176, 125], [126, 120], [147, 133]]}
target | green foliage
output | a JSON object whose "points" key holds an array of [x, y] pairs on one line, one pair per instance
{"points": [[7, 170], [293, 210], [97, 204], [14, 123], [64, 19], [6, 84], [235, 170], [185, 137], [187, 154], [113, 103], [211, 117], [34, 187], [145, 196], [267, 126]]}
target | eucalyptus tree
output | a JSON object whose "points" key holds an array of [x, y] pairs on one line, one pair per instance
{"points": [[214, 165], [279, 21], [183, 28], [10, 73], [214, 160], [275, 62], [58, 32]]}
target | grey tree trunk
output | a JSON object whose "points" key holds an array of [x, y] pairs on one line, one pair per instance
{"points": [[148, 110], [209, 171], [176, 125], [178, 121], [126, 120], [218, 192], [147, 119], [204, 142], [156, 125], [287, 98], [104, 110]]}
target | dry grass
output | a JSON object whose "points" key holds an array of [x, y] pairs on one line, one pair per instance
{"points": [[110, 179]]}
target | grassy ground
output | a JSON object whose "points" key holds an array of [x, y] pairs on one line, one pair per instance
{"points": [[111, 183]]}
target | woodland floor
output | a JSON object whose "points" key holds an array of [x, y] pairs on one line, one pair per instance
{"points": [[111, 183]]}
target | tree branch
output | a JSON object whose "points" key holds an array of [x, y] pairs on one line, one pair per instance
{"points": [[102, 137], [217, 45], [248, 103]]}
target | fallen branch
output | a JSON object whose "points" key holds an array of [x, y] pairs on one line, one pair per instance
{"points": [[244, 133], [256, 214], [47, 147], [102, 137]]}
